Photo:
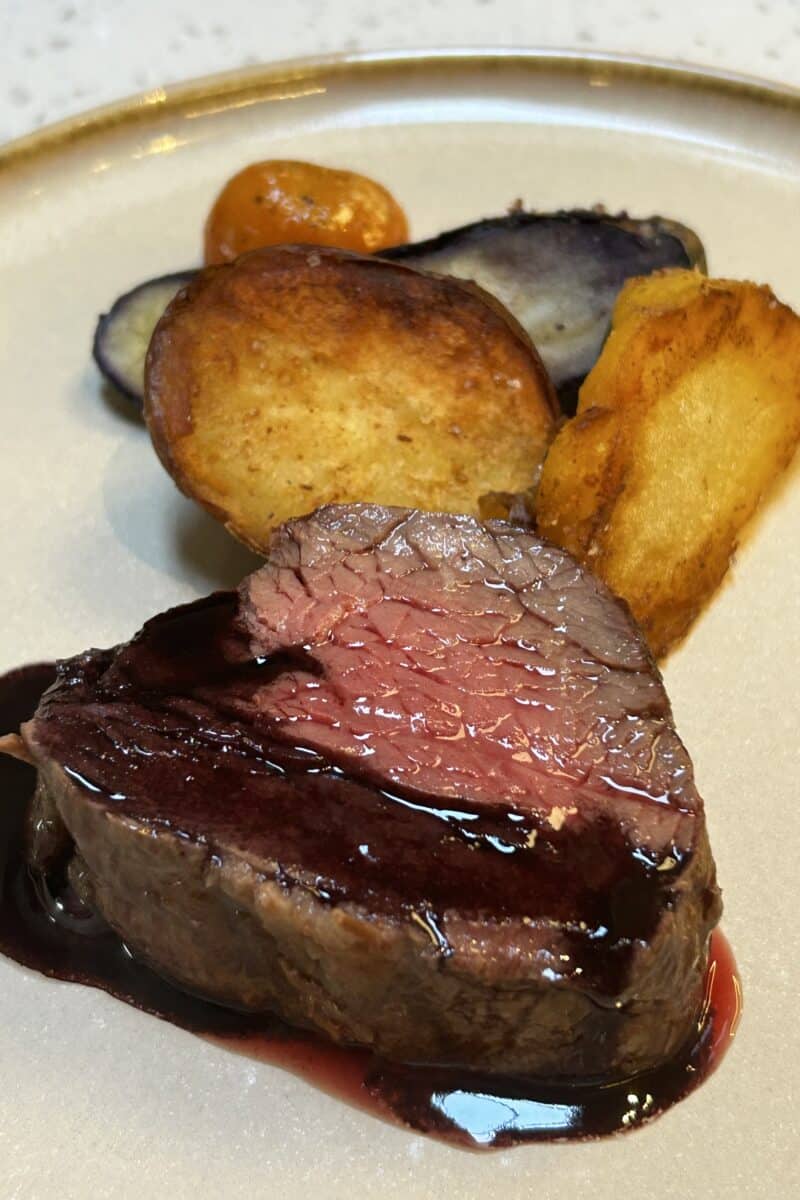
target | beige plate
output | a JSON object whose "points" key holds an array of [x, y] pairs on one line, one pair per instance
{"points": [[98, 1100]]}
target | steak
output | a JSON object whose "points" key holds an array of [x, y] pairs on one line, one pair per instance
{"points": [[416, 786]]}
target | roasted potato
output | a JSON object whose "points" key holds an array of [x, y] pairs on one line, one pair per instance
{"points": [[688, 417], [298, 376]]}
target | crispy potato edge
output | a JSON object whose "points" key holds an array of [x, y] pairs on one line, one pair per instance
{"points": [[170, 393]]}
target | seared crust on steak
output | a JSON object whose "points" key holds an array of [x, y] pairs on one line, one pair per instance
{"points": [[417, 788]]}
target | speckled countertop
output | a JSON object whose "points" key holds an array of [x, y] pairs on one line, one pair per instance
{"points": [[61, 56]]}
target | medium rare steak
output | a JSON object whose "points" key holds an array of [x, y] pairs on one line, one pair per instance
{"points": [[417, 786]]}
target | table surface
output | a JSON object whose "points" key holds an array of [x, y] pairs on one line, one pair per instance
{"points": [[61, 56]]}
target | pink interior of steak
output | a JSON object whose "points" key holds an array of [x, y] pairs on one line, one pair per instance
{"points": [[490, 734], [467, 662]]}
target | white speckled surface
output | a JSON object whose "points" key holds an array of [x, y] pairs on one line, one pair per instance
{"points": [[61, 56]]}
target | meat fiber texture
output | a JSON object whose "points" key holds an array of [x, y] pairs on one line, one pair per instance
{"points": [[417, 787]]}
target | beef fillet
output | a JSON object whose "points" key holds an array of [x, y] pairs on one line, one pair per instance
{"points": [[417, 787]]}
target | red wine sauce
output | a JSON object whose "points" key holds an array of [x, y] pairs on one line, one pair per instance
{"points": [[40, 929]]}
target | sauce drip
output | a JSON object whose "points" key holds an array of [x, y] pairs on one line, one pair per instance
{"points": [[42, 928]]}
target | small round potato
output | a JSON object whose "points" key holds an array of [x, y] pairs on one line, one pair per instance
{"points": [[298, 376]]}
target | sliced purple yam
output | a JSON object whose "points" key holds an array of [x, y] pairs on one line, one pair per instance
{"points": [[559, 274], [123, 334]]}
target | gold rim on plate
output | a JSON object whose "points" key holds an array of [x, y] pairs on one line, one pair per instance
{"points": [[250, 85]]}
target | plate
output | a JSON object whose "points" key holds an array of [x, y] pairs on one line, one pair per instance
{"points": [[99, 1099]]}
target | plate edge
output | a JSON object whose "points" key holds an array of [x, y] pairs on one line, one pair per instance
{"points": [[256, 82]]}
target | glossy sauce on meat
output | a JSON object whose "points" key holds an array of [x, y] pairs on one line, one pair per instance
{"points": [[43, 927], [333, 832]]}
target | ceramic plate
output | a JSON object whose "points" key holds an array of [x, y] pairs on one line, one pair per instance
{"points": [[97, 1099]]}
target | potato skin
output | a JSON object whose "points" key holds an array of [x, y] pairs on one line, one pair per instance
{"points": [[690, 414], [298, 376]]}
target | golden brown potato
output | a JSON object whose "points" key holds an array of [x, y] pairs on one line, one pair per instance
{"points": [[689, 415], [299, 376]]}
